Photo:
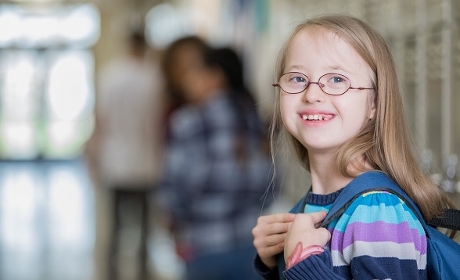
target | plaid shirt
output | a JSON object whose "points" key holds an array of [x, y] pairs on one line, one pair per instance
{"points": [[214, 198]]}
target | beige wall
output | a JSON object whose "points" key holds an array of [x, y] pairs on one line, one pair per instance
{"points": [[116, 17]]}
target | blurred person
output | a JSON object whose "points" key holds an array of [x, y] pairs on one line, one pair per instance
{"points": [[177, 60], [217, 165], [126, 149]]}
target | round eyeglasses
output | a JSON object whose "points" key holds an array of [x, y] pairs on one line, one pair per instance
{"points": [[330, 83]]}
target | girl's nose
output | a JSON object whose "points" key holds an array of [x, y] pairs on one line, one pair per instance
{"points": [[313, 93]]}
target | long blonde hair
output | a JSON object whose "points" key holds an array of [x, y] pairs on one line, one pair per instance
{"points": [[384, 142]]}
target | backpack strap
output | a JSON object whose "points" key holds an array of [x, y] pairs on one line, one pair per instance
{"points": [[367, 182], [379, 181], [450, 219]]}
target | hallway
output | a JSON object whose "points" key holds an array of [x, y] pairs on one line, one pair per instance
{"points": [[54, 225], [47, 221]]}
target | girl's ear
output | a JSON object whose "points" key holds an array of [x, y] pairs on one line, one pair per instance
{"points": [[373, 106]]}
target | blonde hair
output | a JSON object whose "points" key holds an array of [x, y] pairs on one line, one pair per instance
{"points": [[384, 142]]}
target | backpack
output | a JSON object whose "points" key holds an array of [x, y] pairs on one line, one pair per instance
{"points": [[443, 253]]}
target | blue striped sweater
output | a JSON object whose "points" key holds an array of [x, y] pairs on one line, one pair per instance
{"points": [[378, 237]]}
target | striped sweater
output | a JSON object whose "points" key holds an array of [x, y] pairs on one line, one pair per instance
{"points": [[378, 237]]}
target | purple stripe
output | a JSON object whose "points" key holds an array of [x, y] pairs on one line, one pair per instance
{"points": [[378, 231]]}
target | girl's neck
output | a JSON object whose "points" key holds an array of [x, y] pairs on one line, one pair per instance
{"points": [[325, 176]]}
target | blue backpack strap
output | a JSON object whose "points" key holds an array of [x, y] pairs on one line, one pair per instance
{"points": [[366, 182], [443, 253]]}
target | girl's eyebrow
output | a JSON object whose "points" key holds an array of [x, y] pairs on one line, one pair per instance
{"points": [[336, 67], [296, 68], [301, 69]]}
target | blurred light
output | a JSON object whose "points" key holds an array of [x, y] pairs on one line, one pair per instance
{"points": [[70, 221], [81, 25], [69, 102], [46, 221], [9, 17], [76, 25], [70, 91], [62, 134], [17, 212], [66, 206], [19, 76], [19, 138], [37, 1], [20, 81], [164, 24], [37, 30], [47, 84]]}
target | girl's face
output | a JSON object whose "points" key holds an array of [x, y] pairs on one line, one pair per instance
{"points": [[195, 80], [321, 122]]}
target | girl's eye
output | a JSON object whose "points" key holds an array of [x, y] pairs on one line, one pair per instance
{"points": [[298, 79], [337, 80]]}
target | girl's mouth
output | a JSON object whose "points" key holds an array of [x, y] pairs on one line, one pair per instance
{"points": [[306, 117]]}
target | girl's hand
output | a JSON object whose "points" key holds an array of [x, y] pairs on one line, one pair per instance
{"points": [[305, 229], [269, 235]]}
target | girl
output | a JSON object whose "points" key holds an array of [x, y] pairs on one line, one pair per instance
{"points": [[216, 166], [341, 111]]}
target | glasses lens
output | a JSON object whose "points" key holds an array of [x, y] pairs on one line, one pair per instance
{"points": [[334, 84], [293, 82]]}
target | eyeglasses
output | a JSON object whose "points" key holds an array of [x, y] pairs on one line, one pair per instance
{"points": [[330, 83]]}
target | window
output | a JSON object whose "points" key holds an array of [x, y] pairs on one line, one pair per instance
{"points": [[46, 80]]}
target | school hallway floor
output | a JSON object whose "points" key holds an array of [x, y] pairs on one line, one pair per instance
{"points": [[54, 226]]}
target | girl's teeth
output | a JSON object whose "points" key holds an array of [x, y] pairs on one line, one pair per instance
{"points": [[312, 117]]}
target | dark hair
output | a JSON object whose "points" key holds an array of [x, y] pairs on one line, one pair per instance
{"points": [[137, 42], [249, 122], [229, 61], [175, 96]]}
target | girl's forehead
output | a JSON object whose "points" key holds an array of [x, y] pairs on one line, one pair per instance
{"points": [[324, 46]]}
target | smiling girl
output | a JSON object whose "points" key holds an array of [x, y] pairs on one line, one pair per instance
{"points": [[340, 108]]}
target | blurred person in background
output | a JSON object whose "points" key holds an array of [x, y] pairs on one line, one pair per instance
{"points": [[125, 151], [176, 59], [217, 164]]}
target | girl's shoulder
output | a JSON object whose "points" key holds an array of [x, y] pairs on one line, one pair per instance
{"points": [[377, 230], [379, 209]]}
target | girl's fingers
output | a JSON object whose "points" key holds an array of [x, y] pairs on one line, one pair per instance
{"points": [[271, 251], [269, 229], [318, 217], [305, 229], [273, 224], [310, 220], [278, 228], [325, 235], [276, 218], [271, 240], [270, 233]]}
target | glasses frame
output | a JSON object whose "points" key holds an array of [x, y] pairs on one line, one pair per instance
{"points": [[320, 85]]}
